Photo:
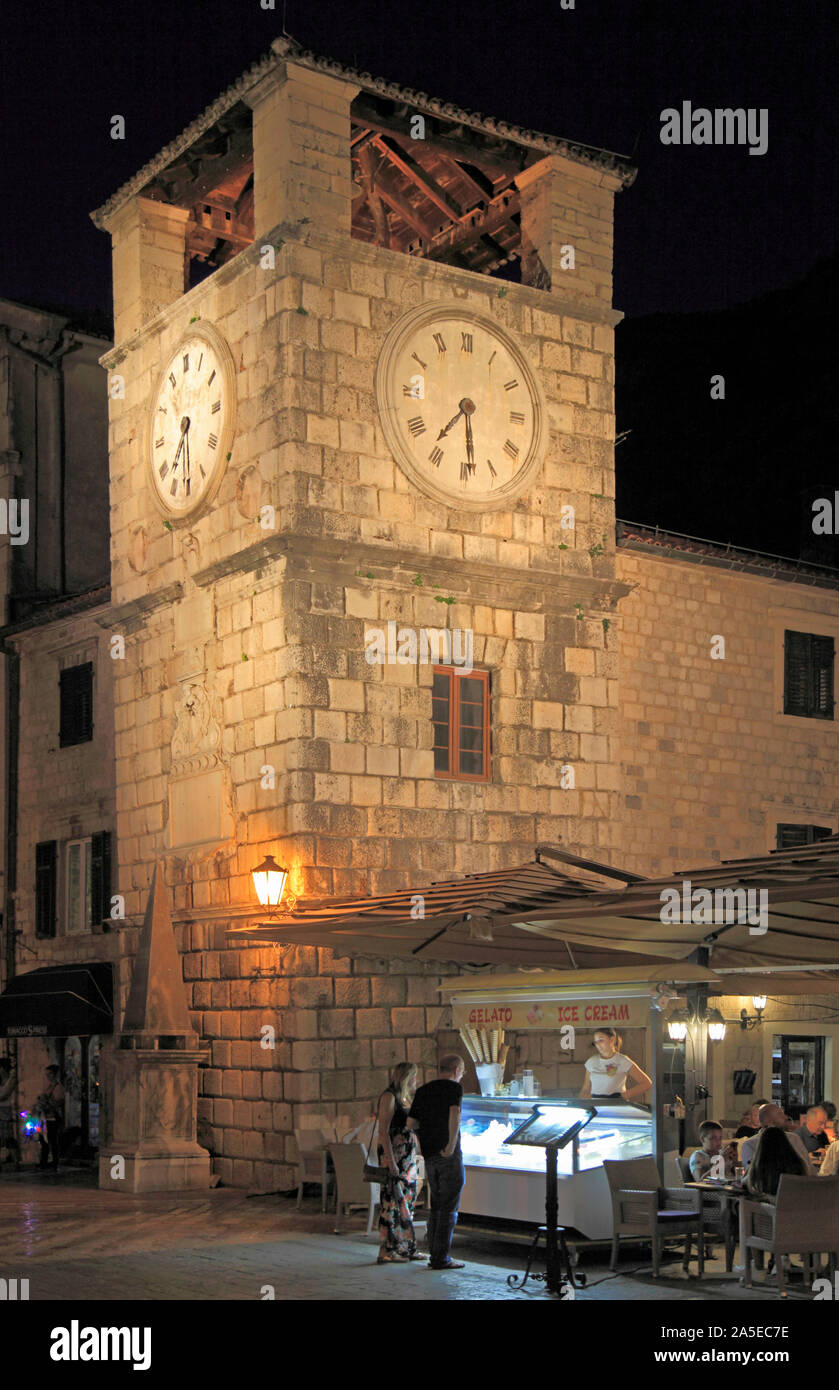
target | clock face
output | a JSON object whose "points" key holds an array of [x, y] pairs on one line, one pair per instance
{"points": [[460, 407], [190, 426]]}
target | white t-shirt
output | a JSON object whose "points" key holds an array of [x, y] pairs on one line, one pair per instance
{"points": [[608, 1074]]}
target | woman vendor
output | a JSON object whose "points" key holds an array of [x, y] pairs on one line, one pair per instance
{"points": [[610, 1075]]}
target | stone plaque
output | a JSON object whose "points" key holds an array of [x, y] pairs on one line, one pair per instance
{"points": [[199, 810]]}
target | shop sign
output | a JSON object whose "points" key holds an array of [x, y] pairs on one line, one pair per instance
{"points": [[579, 1013]]}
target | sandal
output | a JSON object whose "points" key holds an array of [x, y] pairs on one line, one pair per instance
{"points": [[392, 1260]]}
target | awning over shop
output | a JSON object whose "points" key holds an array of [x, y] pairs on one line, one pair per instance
{"points": [[59, 1001], [539, 916]]}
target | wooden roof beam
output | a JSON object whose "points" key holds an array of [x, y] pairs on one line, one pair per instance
{"points": [[186, 192], [500, 157], [367, 168], [408, 166]]}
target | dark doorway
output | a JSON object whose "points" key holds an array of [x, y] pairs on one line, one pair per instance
{"points": [[797, 1072]]}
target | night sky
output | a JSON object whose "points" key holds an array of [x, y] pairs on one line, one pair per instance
{"points": [[702, 229]]}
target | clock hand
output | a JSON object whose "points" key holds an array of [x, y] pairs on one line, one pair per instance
{"points": [[453, 421], [184, 428], [186, 461], [470, 446]]}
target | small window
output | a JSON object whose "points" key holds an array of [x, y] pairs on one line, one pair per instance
{"points": [[76, 693], [87, 882], [46, 882], [794, 836], [460, 713], [77, 887], [808, 675]]}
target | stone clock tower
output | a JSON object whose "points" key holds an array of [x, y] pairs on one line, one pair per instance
{"points": [[357, 420]]}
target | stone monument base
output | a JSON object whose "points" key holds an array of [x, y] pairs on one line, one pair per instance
{"points": [[149, 1144], [155, 1172]]}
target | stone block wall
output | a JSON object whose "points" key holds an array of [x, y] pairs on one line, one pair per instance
{"points": [[710, 764]]}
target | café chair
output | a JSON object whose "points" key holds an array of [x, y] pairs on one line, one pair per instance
{"points": [[311, 1162], [641, 1207], [352, 1191], [719, 1219], [803, 1220]]}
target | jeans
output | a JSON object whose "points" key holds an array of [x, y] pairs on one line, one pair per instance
{"points": [[445, 1183]]}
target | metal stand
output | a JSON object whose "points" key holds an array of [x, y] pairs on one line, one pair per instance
{"points": [[556, 1251]]}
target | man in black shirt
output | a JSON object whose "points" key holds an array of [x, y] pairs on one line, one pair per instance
{"points": [[435, 1115]]}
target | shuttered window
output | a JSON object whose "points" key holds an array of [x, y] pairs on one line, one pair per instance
{"points": [[46, 883], [76, 699], [808, 675], [795, 836], [460, 714], [100, 865]]}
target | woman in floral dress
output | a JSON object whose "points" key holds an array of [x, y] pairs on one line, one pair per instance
{"points": [[398, 1152]]}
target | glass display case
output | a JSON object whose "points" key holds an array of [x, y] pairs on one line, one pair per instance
{"points": [[617, 1131], [509, 1180]]}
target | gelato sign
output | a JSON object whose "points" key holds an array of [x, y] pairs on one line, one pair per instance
{"points": [[546, 1014]]}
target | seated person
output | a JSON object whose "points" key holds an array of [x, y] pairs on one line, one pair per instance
{"points": [[771, 1116], [811, 1131], [830, 1110], [749, 1124], [830, 1162], [702, 1160], [773, 1156]]}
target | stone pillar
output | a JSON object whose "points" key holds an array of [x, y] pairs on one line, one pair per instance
{"points": [[150, 261], [567, 205], [301, 149], [150, 1141]]}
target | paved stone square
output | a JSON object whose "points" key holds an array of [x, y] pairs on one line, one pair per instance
{"points": [[74, 1243]]}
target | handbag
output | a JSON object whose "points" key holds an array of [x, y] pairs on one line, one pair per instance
{"points": [[373, 1172]]}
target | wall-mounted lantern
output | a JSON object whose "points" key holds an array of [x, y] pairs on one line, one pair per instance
{"points": [[269, 880], [748, 1020]]}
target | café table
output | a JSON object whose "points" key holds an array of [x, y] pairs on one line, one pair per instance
{"points": [[733, 1192]]}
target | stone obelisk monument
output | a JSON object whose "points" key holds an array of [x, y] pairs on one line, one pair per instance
{"points": [[151, 1076]]}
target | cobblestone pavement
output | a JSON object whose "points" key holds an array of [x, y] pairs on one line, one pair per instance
{"points": [[74, 1242]]}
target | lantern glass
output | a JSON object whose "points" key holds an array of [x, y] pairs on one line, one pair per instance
{"points": [[269, 880], [759, 1002], [677, 1028], [716, 1026]]}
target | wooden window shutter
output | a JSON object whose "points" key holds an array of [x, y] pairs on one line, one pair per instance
{"points": [[76, 704], [796, 652], [100, 876], [808, 675], [796, 836], [822, 648], [46, 885]]}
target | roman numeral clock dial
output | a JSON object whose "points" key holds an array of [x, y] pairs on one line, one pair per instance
{"points": [[460, 407], [190, 431]]}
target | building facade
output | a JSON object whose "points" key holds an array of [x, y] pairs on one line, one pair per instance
{"points": [[367, 612]]}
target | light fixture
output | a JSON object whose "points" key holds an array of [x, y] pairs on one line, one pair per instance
{"points": [[716, 1025], [269, 880], [748, 1020], [681, 1019], [677, 1025]]}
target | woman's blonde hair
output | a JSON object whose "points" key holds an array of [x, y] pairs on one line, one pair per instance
{"points": [[403, 1079]]}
